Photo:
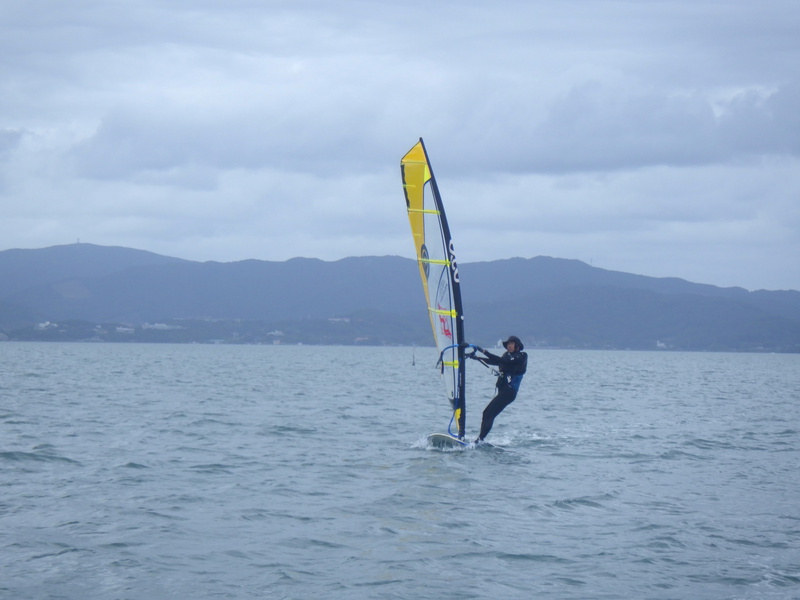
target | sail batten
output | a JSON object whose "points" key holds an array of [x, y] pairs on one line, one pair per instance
{"points": [[434, 262], [427, 211], [438, 270]]}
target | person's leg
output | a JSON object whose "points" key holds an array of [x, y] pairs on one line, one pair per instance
{"points": [[494, 408]]}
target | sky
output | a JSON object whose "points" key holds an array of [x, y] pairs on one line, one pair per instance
{"points": [[657, 137]]}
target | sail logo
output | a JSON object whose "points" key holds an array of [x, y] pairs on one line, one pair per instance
{"points": [[453, 264], [446, 331], [443, 304], [423, 252]]}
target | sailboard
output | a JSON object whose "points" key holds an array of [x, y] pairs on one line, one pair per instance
{"points": [[445, 440], [438, 270]]}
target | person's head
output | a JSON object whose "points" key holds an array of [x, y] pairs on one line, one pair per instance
{"points": [[513, 344]]}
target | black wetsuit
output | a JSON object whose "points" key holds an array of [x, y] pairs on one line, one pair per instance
{"points": [[512, 366]]}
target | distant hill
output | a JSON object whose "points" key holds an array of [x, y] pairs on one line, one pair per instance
{"points": [[546, 301], [296, 289], [533, 275], [23, 269]]}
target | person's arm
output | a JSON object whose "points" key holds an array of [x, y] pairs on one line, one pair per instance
{"points": [[514, 364], [491, 359]]}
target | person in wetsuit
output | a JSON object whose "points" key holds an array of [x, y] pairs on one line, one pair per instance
{"points": [[512, 366]]}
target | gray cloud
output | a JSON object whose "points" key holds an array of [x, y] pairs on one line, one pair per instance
{"points": [[634, 133], [595, 127], [9, 140]]}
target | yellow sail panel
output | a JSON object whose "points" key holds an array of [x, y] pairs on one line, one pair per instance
{"points": [[416, 174]]}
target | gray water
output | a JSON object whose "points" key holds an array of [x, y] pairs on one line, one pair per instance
{"points": [[178, 471]]}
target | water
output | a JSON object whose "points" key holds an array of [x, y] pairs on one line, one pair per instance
{"points": [[149, 472]]}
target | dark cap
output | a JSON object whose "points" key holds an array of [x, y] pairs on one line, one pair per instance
{"points": [[516, 340]]}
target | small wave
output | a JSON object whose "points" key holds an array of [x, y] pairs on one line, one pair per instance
{"points": [[421, 443], [783, 579], [308, 543], [18, 456], [59, 552], [666, 542], [211, 468], [121, 545], [539, 558], [678, 454], [582, 502], [212, 422], [288, 429], [256, 514], [704, 444]]}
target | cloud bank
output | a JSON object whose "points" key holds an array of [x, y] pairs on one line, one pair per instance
{"points": [[658, 138]]}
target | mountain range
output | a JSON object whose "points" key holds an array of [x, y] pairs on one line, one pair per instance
{"points": [[84, 291]]}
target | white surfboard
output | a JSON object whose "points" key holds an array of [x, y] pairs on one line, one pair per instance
{"points": [[444, 440]]}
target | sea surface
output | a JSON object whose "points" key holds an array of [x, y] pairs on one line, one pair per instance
{"points": [[214, 471]]}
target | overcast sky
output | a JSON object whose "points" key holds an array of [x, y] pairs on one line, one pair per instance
{"points": [[654, 137]]}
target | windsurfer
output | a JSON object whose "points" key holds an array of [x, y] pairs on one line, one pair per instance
{"points": [[512, 366]]}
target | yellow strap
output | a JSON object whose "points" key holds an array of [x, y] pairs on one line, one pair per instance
{"points": [[446, 313], [427, 211]]}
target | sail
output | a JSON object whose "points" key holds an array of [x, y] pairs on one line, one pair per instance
{"points": [[439, 272]]}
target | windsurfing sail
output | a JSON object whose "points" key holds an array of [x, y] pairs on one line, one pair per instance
{"points": [[439, 272]]}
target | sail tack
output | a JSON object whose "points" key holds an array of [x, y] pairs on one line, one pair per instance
{"points": [[438, 270]]}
